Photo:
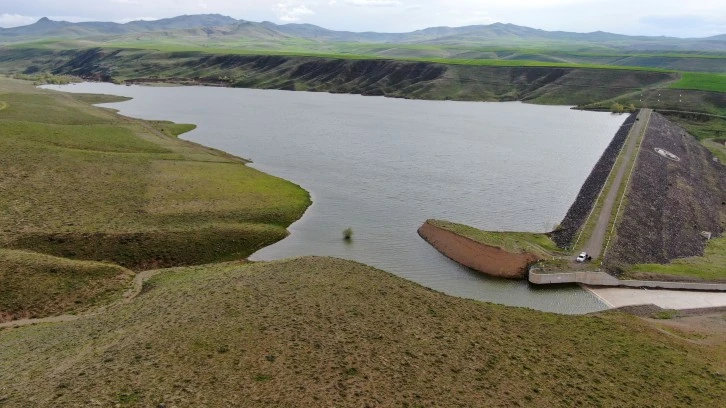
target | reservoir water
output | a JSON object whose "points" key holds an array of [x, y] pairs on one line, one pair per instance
{"points": [[383, 166]]}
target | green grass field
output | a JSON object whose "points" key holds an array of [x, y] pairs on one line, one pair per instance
{"points": [[701, 127], [711, 266], [82, 183], [171, 128], [701, 81], [36, 285], [328, 332]]}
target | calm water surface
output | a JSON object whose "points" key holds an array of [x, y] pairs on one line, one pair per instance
{"points": [[383, 166]]}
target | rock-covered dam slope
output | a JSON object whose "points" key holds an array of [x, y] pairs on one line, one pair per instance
{"points": [[566, 233], [677, 191]]}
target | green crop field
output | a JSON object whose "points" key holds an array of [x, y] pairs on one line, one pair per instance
{"points": [[701, 81]]}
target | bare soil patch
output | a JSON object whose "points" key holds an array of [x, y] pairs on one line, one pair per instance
{"points": [[699, 326]]}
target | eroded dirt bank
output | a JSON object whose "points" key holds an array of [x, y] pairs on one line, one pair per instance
{"points": [[483, 258]]}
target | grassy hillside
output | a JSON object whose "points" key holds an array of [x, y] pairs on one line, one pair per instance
{"points": [[82, 183], [702, 82], [588, 85], [710, 266], [709, 130], [326, 332], [36, 285]]}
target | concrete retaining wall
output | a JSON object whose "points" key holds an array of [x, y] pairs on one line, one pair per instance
{"points": [[603, 279]]}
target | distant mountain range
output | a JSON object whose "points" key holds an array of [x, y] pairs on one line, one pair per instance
{"points": [[215, 27]]}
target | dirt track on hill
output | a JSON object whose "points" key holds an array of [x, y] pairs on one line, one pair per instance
{"points": [[134, 291]]}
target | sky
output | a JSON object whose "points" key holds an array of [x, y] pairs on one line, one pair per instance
{"points": [[682, 18]]}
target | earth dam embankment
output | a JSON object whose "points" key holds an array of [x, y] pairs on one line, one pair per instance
{"points": [[566, 233], [495, 261], [677, 193]]}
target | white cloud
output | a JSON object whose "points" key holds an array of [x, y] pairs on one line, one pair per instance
{"points": [[128, 20], [374, 3], [291, 12], [15, 20]]}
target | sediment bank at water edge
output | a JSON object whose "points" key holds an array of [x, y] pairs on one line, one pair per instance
{"points": [[475, 255]]}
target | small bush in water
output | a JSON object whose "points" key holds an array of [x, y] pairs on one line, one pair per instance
{"points": [[348, 233]]}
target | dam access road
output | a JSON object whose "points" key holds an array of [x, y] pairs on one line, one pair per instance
{"points": [[597, 245]]}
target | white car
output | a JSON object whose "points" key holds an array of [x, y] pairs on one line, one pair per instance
{"points": [[582, 257]]}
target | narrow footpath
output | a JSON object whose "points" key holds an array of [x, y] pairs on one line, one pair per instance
{"points": [[137, 286], [594, 246]]}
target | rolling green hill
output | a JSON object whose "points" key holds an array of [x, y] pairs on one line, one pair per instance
{"points": [[214, 29], [89, 196], [589, 86], [327, 332]]}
